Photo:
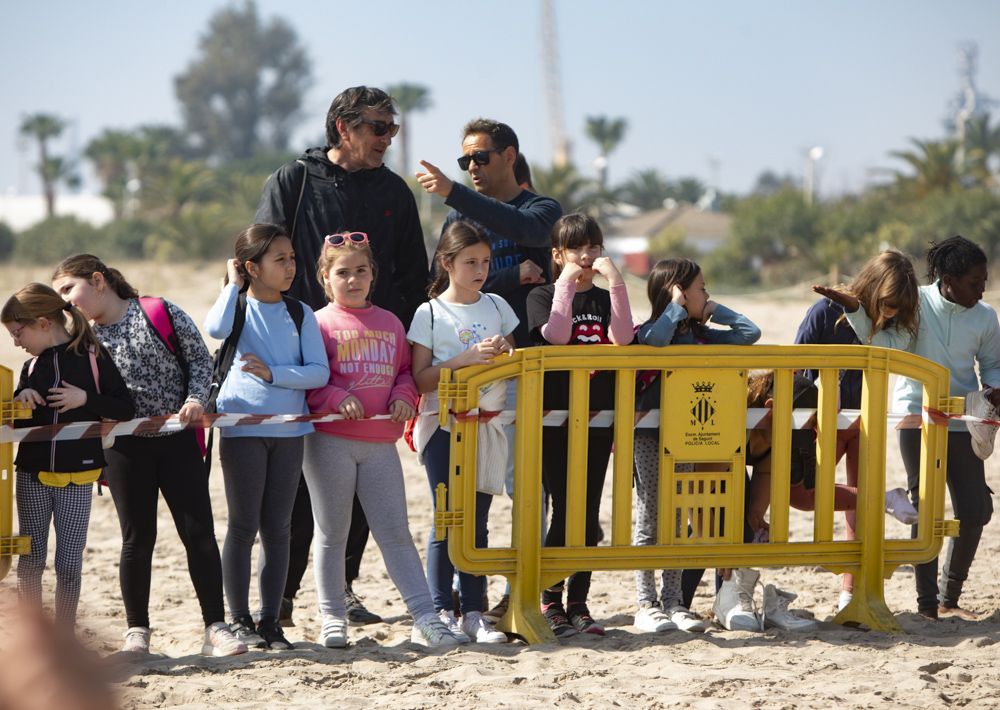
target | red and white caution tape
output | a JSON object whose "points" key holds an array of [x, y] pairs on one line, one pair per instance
{"points": [[756, 419]]}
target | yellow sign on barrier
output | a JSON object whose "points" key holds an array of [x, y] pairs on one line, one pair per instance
{"points": [[9, 544], [703, 408]]}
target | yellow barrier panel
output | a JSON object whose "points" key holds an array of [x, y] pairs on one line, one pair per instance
{"points": [[9, 545], [703, 407]]}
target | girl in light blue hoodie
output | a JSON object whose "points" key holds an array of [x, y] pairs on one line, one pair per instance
{"points": [[958, 331]]}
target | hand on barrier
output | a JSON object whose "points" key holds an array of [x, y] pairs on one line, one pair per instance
{"points": [[400, 411], [30, 398], [191, 411], [352, 408]]}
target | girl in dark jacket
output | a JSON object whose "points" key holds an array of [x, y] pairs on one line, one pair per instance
{"points": [[70, 378]]}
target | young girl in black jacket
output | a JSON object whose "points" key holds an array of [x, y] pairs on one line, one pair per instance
{"points": [[70, 378]]}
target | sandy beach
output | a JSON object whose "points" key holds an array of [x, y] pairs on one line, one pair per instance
{"points": [[947, 663]]}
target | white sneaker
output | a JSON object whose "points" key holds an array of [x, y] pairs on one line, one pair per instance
{"points": [[844, 600], [431, 632], [776, 611], [221, 641], [333, 633], [734, 605], [477, 628], [652, 619], [136, 640], [447, 617], [977, 404], [685, 620], [898, 504]]}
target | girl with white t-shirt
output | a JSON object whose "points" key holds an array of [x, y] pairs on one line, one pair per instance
{"points": [[458, 327]]}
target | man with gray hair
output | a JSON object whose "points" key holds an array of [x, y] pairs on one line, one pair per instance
{"points": [[345, 186]]}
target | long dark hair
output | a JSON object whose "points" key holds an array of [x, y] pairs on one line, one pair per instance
{"points": [[36, 301], [84, 266], [457, 236], [252, 244], [573, 231], [665, 275]]}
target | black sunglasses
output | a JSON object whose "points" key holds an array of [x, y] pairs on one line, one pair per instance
{"points": [[380, 128], [480, 157]]}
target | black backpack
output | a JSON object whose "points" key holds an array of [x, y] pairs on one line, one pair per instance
{"points": [[222, 361]]}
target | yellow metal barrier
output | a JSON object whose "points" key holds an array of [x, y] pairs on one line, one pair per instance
{"points": [[703, 404], [9, 545]]}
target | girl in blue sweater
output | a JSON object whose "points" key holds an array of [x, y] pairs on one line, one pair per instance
{"points": [[274, 365]]}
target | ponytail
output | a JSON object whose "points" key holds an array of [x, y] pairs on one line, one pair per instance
{"points": [[36, 301]]}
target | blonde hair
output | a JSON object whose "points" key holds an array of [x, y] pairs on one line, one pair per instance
{"points": [[36, 301], [328, 257], [888, 280]]}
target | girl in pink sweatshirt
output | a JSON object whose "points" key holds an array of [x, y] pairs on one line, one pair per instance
{"points": [[369, 376]]}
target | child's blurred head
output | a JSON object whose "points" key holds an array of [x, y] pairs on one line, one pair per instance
{"points": [[960, 266], [35, 312], [576, 238], [666, 274], [253, 247], [456, 238], [347, 268], [886, 286]]}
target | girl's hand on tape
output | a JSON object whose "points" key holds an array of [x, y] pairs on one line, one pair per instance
{"points": [[31, 398], [67, 397], [257, 367], [352, 408], [400, 411], [190, 412], [482, 353]]}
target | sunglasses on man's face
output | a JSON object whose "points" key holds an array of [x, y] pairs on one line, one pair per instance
{"points": [[339, 240], [479, 157], [380, 128]]}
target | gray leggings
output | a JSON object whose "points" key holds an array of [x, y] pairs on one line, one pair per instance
{"points": [[335, 469], [261, 474], [647, 486]]}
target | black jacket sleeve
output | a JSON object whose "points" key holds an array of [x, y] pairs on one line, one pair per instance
{"points": [[114, 401], [281, 195], [410, 273], [529, 225]]}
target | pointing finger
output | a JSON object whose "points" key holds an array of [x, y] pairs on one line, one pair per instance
{"points": [[431, 168]]}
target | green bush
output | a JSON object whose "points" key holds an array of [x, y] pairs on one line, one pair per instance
{"points": [[52, 239], [7, 239]]}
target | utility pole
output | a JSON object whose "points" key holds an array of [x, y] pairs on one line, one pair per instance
{"points": [[553, 87]]}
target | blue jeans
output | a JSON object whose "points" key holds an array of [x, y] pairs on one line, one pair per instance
{"points": [[440, 570]]}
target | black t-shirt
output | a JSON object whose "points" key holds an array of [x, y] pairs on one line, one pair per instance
{"points": [[591, 325]]}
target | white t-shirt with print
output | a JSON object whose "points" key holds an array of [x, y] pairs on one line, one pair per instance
{"points": [[453, 328]]}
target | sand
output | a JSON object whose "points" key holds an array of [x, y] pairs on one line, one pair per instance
{"points": [[932, 664]]}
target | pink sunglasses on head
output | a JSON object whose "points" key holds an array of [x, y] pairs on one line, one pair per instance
{"points": [[339, 240]]}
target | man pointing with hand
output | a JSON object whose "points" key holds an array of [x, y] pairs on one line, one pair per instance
{"points": [[517, 221]]}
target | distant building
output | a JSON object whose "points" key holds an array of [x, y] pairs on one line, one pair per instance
{"points": [[630, 238], [22, 211]]}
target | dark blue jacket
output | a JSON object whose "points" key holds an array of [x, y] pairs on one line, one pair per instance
{"points": [[820, 327]]}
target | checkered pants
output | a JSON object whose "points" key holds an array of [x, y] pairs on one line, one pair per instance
{"points": [[69, 509]]}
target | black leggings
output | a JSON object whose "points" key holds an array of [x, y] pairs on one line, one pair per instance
{"points": [[301, 539], [973, 505], [139, 468], [554, 474]]}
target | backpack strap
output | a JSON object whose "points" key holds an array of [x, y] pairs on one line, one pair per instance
{"points": [[493, 301], [226, 353], [298, 203], [162, 323]]}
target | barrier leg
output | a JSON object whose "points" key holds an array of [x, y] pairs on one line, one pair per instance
{"points": [[867, 607]]}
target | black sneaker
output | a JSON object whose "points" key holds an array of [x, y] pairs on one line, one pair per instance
{"points": [[357, 614], [285, 612], [244, 630], [580, 618], [273, 636], [555, 614]]}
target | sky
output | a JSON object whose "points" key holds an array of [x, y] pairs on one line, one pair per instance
{"points": [[744, 86]]}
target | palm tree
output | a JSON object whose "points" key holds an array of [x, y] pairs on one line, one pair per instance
{"points": [[183, 182], [933, 164], [982, 144], [607, 133], [43, 127], [409, 98], [114, 154], [563, 184], [646, 189]]}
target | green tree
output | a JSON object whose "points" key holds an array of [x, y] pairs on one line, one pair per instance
{"points": [[982, 145], [7, 241], [44, 127], [646, 189], [114, 155], [409, 99], [182, 183], [244, 90], [933, 166], [689, 189], [54, 237], [563, 184], [607, 133]]}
